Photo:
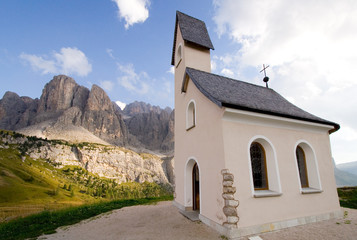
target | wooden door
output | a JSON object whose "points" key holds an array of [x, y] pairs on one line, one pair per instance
{"points": [[196, 187]]}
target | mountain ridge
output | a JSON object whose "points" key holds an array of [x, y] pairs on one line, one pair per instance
{"points": [[65, 107], [350, 167]]}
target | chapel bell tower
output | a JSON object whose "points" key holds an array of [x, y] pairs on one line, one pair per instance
{"points": [[191, 47]]}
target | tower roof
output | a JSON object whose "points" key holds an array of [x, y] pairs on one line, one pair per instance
{"points": [[231, 93], [193, 30]]}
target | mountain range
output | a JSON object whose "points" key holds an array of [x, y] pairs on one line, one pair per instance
{"points": [[346, 174], [74, 113], [350, 167]]}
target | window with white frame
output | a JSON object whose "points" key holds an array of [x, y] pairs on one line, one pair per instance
{"points": [[301, 162], [307, 167], [191, 115], [259, 166], [264, 168]]}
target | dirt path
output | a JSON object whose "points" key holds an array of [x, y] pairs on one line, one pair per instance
{"points": [[163, 221]]}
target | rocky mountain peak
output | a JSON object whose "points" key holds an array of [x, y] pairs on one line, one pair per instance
{"points": [[58, 94], [14, 110], [64, 105], [9, 95], [141, 107], [99, 100]]}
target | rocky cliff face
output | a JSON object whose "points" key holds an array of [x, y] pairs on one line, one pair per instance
{"points": [[63, 103], [136, 107], [106, 161], [102, 118], [65, 107], [16, 112], [112, 162], [151, 125]]}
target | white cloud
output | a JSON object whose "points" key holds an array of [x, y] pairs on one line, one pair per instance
{"points": [[39, 64], [120, 104], [213, 65], [133, 11], [67, 61], [73, 61], [310, 47], [171, 70], [141, 86], [227, 72], [110, 53], [107, 85], [132, 81]]}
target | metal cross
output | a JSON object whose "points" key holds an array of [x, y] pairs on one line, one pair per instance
{"points": [[264, 67], [266, 79]]}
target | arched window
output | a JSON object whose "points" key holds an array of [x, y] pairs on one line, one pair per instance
{"points": [[259, 166], [307, 168], [301, 162], [191, 115], [264, 170], [178, 55]]}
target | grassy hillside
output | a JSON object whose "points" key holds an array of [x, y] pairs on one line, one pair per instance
{"points": [[348, 197], [28, 186]]}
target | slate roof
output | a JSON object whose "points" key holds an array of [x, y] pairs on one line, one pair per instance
{"points": [[231, 93], [193, 30]]}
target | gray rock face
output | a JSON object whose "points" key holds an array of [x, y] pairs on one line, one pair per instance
{"points": [[58, 94], [169, 141], [101, 118], [136, 107], [15, 111], [152, 129], [110, 162]]}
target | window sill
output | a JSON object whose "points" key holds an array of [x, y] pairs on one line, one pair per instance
{"points": [[310, 190], [266, 193], [189, 128]]}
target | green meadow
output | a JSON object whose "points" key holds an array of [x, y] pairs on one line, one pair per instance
{"points": [[348, 197], [29, 186], [47, 222]]}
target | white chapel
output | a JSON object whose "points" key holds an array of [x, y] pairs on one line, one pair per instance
{"points": [[246, 159]]}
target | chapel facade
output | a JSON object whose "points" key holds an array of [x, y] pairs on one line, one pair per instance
{"points": [[246, 159]]}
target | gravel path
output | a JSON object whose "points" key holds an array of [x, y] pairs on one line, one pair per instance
{"points": [[163, 221]]}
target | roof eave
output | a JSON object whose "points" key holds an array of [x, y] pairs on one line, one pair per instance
{"points": [[199, 45], [186, 78], [174, 44], [335, 125]]}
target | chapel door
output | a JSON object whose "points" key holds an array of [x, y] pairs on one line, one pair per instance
{"points": [[196, 187]]}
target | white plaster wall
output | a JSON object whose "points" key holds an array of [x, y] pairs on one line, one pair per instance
{"points": [[203, 142], [292, 203]]}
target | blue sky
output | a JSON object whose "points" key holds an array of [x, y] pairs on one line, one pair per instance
{"points": [[125, 47]]}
